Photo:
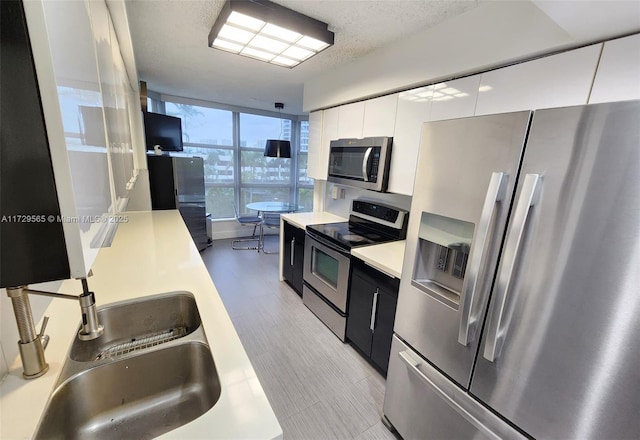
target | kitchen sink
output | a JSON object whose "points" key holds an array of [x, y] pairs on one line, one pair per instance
{"points": [[155, 385], [129, 324]]}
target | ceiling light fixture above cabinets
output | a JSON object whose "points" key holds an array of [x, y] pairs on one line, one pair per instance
{"points": [[268, 32]]}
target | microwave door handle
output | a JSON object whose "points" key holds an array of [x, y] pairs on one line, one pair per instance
{"points": [[365, 164], [469, 304], [513, 247]]}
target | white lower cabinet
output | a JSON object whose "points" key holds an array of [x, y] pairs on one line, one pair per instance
{"points": [[555, 81], [618, 75]]}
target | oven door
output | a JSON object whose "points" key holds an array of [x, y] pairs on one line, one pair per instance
{"points": [[326, 269]]}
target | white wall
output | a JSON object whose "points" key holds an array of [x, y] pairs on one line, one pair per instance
{"points": [[494, 34], [468, 43], [342, 207]]}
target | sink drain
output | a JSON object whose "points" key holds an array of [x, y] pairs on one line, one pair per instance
{"points": [[142, 342]]}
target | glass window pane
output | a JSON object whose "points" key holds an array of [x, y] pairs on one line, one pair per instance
{"points": [[256, 168], [303, 178], [256, 129], [304, 136], [262, 194], [220, 201], [218, 163], [305, 199], [203, 125]]}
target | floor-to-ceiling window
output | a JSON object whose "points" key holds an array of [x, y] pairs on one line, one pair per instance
{"points": [[236, 170]]}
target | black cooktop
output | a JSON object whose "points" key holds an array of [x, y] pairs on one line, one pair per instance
{"points": [[347, 235], [370, 223]]}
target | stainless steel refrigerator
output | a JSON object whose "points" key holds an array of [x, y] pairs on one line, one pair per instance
{"points": [[519, 306]]}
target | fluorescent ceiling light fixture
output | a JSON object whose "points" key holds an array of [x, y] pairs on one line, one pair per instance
{"points": [[269, 32], [484, 88], [245, 21], [255, 53], [281, 33], [227, 45]]}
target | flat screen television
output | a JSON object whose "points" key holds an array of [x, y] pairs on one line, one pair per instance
{"points": [[163, 130]]}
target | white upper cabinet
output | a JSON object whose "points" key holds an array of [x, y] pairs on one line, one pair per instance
{"points": [[618, 75], [555, 81], [315, 146], [323, 128], [350, 120], [414, 107], [84, 113], [75, 126], [380, 116], [446, 100], [112, 83], [455, 99]]}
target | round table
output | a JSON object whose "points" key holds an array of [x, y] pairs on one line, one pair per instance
{"points": [[273, 207]]}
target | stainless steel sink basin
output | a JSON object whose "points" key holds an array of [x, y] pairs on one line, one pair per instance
{"points": [[156, 317], [140, 393]]}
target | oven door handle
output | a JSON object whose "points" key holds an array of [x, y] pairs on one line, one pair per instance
{"points": [[328, 244], [365, 164]]}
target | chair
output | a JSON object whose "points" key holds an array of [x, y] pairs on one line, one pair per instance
{"points": [[254, 221], [270, 220]]}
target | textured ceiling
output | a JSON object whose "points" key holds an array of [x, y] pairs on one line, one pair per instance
{"points": [[170, 46]]}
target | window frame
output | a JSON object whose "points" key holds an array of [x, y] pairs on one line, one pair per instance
{"points": [[293, 184]]}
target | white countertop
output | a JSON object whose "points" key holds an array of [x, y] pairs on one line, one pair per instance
{"points": [[152, 253], [303, 219], [387, 257]]}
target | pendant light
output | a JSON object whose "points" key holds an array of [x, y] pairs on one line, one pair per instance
{"points": [[277, 147]]}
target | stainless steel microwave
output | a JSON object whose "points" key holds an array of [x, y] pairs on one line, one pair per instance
{"points": [[363, 163]]}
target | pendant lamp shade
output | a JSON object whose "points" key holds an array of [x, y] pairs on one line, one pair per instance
{"points": [[277, 148]]}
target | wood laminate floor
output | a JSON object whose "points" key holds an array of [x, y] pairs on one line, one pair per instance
{"points": [[318, 387]]}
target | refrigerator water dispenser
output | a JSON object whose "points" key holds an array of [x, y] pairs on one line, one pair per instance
{"points": [[441, 257]]}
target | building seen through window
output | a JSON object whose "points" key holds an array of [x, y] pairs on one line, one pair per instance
{"points": [[235, 168]]}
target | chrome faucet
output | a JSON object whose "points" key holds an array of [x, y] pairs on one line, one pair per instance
{"points": [[32, 344]]}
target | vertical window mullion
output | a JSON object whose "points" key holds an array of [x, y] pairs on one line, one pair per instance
{"points": [[295, 143], [236, 155]]}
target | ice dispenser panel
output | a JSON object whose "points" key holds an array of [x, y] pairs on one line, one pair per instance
{"points": [[441, 257]]}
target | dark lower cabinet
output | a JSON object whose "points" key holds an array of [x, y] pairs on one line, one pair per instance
{"points": [[372, 309], [293, 256]]}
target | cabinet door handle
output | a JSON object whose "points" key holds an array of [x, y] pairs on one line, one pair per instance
{"points": [[293, 249], [374, 307]]}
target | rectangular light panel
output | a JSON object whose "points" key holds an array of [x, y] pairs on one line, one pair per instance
{"points": [[252, 37]]}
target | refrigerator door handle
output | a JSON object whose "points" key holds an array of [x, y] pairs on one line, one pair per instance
{"points": [[528, 198], [413, 365], [469, 305]]}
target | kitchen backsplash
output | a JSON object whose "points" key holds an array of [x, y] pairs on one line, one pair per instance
{"points": [[342, 206]]}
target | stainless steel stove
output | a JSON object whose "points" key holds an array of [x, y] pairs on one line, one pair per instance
{"points": [[327, 257]]}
